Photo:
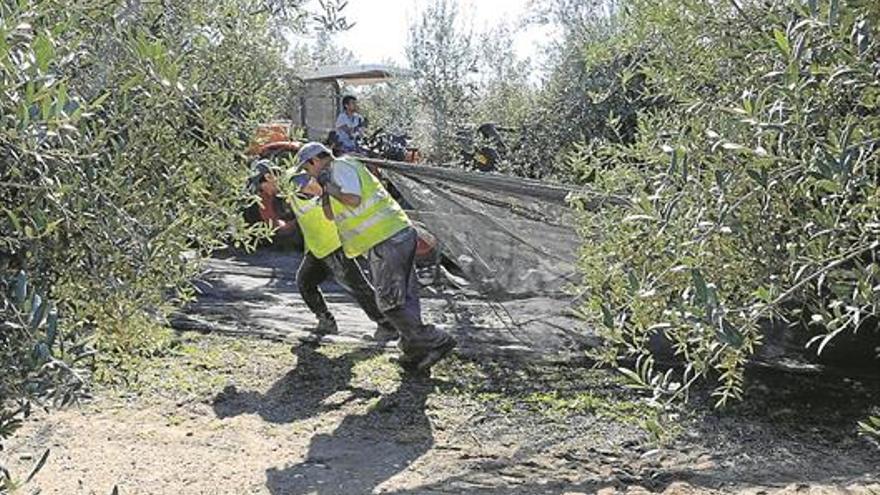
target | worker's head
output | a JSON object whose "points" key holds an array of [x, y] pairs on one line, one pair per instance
{"points": [[264, 177], [349, 104], [313, 158]]}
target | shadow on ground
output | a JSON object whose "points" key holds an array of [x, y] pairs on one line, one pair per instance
{"points": [[365, 450], [300, 393], [790, 429]]}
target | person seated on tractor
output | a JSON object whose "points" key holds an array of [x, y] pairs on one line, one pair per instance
{"points": [[272, 209], [350, 126]]}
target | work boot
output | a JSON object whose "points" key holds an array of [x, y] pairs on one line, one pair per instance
{"points": [[421, 363], [326, 325], [436, 354], [385, 332], [409, 363]]}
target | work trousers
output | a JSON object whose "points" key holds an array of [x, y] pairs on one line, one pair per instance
{"points": [[392, 266], [313, 272]]}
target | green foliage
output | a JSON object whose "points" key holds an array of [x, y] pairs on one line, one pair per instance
{"points": [[392, 106], [505, 94], [120, 137], [753, 189], [40, 360], [38, 353], [589, 96], [122, 145], [442, 56], [871, 427]]}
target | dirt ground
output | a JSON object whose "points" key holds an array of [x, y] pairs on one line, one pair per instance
{"points": [[239, 408], [225, 415]]}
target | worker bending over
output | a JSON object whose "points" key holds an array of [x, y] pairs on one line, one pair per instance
{"points": [[323, 257], [371, 223]]}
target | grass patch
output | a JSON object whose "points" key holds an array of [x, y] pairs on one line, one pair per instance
{"points": [[196, 367], [555, 392], [376, 372]]}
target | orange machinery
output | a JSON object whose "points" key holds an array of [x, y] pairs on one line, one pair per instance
{"points": [[271, 138]]}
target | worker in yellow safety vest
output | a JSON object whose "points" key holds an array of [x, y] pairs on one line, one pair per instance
{"points": [[370, 223], [323, 257]]}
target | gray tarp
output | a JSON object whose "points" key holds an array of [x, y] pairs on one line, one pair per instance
{"points": [[510, 237], [513, 240]]}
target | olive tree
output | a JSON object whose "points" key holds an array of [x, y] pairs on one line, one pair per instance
{"points": [[442, 56], [753, 190], [121, 135]]}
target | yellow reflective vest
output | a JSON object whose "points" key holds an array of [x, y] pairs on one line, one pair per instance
{"points": [[376, 219], [319, 233]]}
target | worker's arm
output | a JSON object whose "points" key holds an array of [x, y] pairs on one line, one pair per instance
{"points": [[325, 205], [348, 199], [343, 185], [331, 189]]}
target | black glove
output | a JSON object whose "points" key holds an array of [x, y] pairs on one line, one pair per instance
{"points": [[324, 178]]}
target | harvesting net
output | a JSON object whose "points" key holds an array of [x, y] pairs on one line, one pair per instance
{"points": [[511, 237]]}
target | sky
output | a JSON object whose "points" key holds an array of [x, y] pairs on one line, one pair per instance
{"points": [[381, 26]]}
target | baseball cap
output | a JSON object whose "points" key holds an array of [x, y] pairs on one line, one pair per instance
{"points": [[259, 169], [309, 151]]}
